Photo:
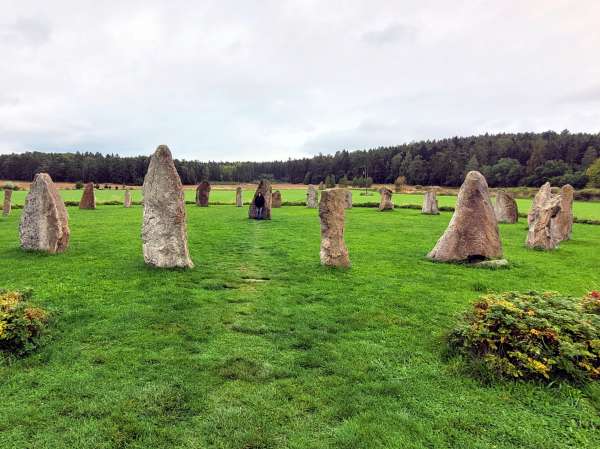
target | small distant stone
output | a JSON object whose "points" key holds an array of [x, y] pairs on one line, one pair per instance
{"points": [[312, 197], [430, 203], [506, 208], [88, 199], [202, 194], [7, 202], [276, 199], [239, 202], [386, 199]]}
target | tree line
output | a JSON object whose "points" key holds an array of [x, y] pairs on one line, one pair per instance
{"points": [[506, 160]]}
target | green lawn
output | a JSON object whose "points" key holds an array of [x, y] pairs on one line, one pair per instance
{"points": [[261, 347]]}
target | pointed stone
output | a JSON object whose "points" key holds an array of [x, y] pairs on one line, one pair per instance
{"points": [[312, 197], [541, 197], [562, 224], [239, 202], [386, 199], [540, 235], [321, 185], [88, 199], [430, 203], [44, 221], [127, 199], [202, 194], [472, 234], [331, 212], [505, 208], [348, 199], [264, 187], [164, 230], [276, 199], [7, 202]]}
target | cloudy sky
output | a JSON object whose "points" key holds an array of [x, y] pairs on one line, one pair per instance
{"points": [[262, 80]]}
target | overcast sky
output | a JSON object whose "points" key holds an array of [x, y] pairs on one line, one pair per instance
{"points": [[263, 80]]}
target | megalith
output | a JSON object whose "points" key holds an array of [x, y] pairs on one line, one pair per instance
{"points": [[44, 221], [472, 234], [202, 194], [239, 202], [7, 202], [562, 223], [430, 203], [276, 199], [321, 185], [386, 199], [262, 196], [505, 208], [312, 197], [540, 235], [164, 229], [127, 199], [331, 212], [541, 197], [348, 199], [88, 199]]}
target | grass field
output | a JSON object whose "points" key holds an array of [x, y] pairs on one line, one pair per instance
{"points": [[260, 347], [581, 209]]}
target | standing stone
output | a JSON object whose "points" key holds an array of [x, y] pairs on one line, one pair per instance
{"points": [[386, 199], [44, 221], [312, 197], [331, 212], [264, 187], [202, 194], [348, 199], [472, 234], [540, 235], [7, 202], [88, 199], [127, 199], [164, 231], [276, 199], [321, 186], [430, 203], [505, 208], [562, 224], [541, 197], [239, 202]]}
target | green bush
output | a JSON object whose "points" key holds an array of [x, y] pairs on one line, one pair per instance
{"points": [[532, 335], [79, 185], [10, 186], [21, 325]]}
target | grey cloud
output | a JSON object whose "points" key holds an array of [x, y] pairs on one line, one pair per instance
{"points": [[29, 31], [395, 32], [588, 95]]}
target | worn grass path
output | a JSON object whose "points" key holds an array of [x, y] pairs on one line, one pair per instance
{"points": [[261, 347]]}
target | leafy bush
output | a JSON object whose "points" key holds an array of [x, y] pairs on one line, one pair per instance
{"points": [[531, 336], [79, 185], [10, 186], [593, 174], [21, 325]]}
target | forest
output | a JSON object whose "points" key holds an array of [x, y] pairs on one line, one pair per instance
{"points": [[507, 160]]}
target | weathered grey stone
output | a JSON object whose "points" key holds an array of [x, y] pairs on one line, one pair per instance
{"points": [[276, 199], [88, 199], [430, 203], [7, 202], [386, 199], [202, 194], [44, 221], [331, 212], [472, 234], [164, 231], [506, 208], [562, 224], [127, 199], [494, 264], [264, 187], [541, 197], [540, 234], [321, 185], [312, 197], [239, 202], [348, 199]]}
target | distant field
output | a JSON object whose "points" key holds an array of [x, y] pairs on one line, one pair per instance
{"points": [[582, 209]]}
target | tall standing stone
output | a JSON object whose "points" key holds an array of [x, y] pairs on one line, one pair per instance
{"points": [[88, 199], [202, 194], [472, 234], [312, 197], [44, 221], [348, 199], [541, 197], [7, 202], [276, 199], [562, 224], [264, 187], [127, 199], [506, 208], [540, 235], [386, 199], [164, 230], [321, 185], [430, 203], [239, 202], [331, 212]]}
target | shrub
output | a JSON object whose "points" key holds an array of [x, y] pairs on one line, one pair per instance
{"points": [[399, 183], [79, 185], [10, 186], [532, 335], [21, 325]]}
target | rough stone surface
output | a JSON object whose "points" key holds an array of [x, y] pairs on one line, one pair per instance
{"points": [[127, 199], [562, 224], [505, 208], [239, 202], [88, 199], [312, 197], [7, 202], [540, 235], [276, 199], [331, 212], [348, 199], [494, 264], [44, 221], [541, 197], [202, 194], [164, 230], [430, 203], [265, 188], [472, 234], [386, 199], [321, 185]]}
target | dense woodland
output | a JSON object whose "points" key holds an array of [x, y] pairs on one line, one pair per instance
{"points": [[528, 159]]}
